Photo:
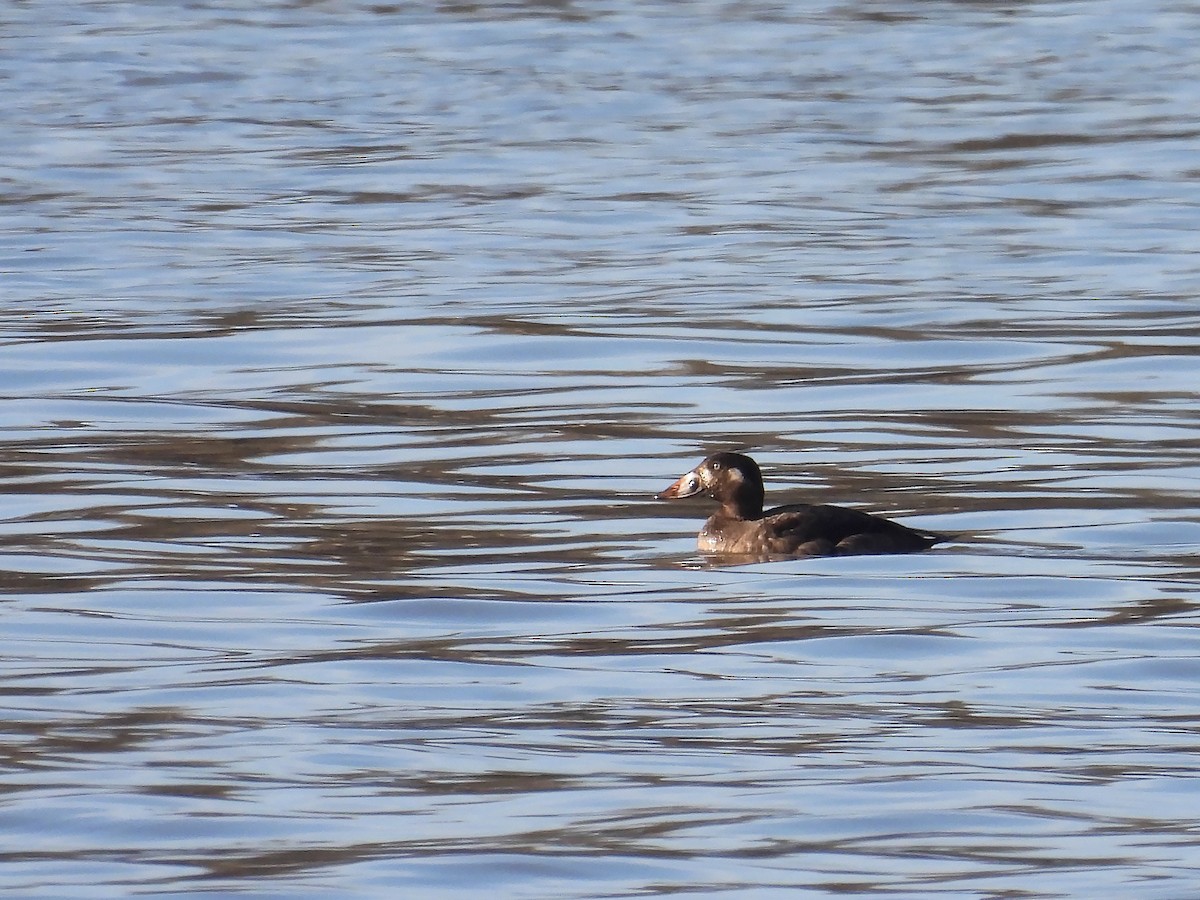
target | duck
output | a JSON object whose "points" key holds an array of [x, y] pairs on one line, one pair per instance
{"points": [[741, 528]]}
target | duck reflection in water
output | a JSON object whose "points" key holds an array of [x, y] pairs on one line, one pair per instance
{"points": [[741, 528]]}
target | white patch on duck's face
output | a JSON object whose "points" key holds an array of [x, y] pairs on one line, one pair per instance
{"points": [[710, 474]]}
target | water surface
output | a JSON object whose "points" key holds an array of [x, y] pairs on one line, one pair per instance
{"points": [[345, 344]]}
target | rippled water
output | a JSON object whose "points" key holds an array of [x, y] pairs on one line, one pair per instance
{"points": [[344, 346]]}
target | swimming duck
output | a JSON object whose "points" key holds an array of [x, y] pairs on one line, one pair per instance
{"points": [[741, 527]]}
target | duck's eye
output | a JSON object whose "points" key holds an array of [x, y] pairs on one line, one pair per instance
{"points": [[716, 467]]}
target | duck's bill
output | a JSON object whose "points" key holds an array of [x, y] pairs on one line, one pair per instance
{"points": [[687, 486]]}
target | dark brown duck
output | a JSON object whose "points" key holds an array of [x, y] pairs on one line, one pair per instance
{"points": [[741, 527]]}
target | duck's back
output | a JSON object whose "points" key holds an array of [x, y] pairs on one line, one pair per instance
{"points": [[812, 530]]}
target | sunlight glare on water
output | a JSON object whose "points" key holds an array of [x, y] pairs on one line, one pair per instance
{"points": [[346, 345]]}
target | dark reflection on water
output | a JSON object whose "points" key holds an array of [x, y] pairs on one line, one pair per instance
{"points": [[345, 345]]}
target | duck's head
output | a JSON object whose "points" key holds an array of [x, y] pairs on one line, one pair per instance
{"points": [[733, 480]]}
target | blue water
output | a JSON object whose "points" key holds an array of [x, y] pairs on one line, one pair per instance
{"points": [[344, 346]]}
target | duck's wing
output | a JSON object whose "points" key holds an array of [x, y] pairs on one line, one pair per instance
{"points": [[845, 530]]}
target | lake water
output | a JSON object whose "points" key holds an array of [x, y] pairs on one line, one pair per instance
{"points": [[344, 345]]}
